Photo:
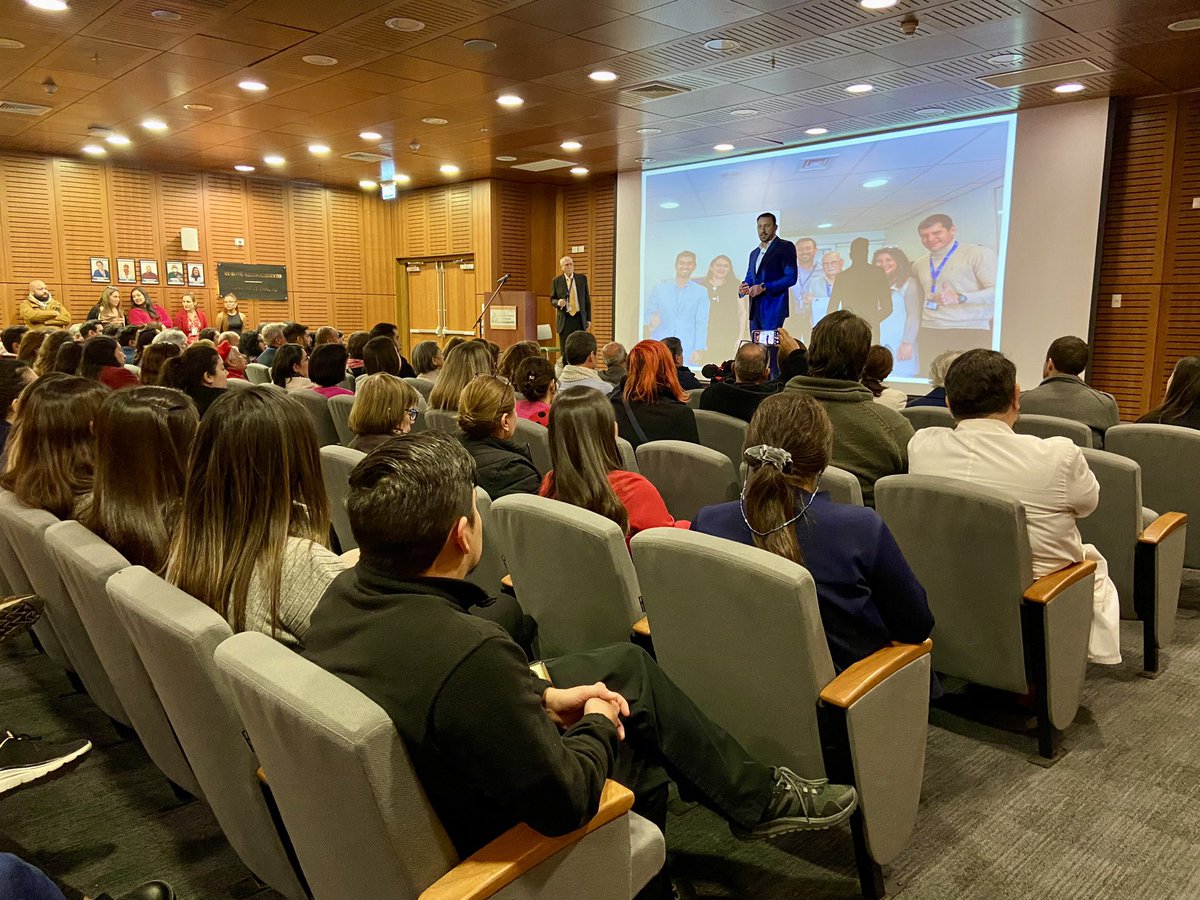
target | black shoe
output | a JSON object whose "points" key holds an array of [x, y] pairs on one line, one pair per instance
{"points": [[25, 760], [799, 804], [151, 890], [17, 614]]}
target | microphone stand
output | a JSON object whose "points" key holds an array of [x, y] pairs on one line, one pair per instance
{"points": [[483, 312]]}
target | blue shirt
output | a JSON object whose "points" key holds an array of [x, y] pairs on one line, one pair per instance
{"points": [[682, 313], [867, 594]]}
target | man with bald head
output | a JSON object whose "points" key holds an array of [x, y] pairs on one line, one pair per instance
{"points": [[751, 369], [40, 310], [616, 363], [571, 298]]}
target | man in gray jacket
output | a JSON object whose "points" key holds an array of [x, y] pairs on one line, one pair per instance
{"points": [[1062, 392]]}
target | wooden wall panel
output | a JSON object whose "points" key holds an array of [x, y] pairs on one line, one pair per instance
{"points": [[83, 230], [131, 200], [513, 206], [30, 222]]}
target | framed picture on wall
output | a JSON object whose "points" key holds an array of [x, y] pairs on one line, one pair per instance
{"points": [[126, 270], [148, 271], [100, 273], [175, 272], [195, 275]]}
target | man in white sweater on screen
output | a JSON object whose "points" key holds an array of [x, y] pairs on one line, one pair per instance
{"points": [[1050, 477], [958, 284]]}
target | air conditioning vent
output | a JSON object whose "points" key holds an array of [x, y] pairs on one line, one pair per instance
{"points": [[23, 109], [364, 156], [1042, 74], [816, 164], [656, 90]]}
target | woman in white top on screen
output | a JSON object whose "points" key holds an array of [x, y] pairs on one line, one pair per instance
{"points": [[898, 332]]}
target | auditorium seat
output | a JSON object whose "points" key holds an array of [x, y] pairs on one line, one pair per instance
{"points": [[1144, 562], [537, 438], [693, 400], [688, 476], [14, 583], [86, 562], [739, 630], [996, 625], [257, 373], [175, 636], [843, 486], [336, 465], [318, 408], [1054, 426], [1170, 459], [25, 531], [444, 420], [339, 410], [421, 386], [628, 457], [363, 827], [239, 384], [725, 434], [572, 572], [487, 574], [928, 417]]}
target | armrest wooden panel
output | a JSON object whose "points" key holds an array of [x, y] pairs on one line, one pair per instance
{"points": [[1050, 586], [1161, 527], [854, 683], [507, 581], [262, 776], [519, 850], [642, 626]]}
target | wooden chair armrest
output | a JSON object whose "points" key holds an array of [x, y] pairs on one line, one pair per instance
{"points": [[1050, 586], [642, 626], [854, 683], [1161, 527], [518, 850], [262, 776], [506, 581]]}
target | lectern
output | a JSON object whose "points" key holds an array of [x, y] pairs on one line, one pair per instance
{"points": [[511, 318]]}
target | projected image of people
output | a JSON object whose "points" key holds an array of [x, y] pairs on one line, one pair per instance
{"points": [[906, 230]]}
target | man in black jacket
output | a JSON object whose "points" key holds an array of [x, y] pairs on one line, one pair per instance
{"points": [[570, 297], [492, 744], [687, 378], [749, 388]]}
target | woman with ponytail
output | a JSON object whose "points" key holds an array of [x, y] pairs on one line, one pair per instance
{"points": [[866, 591], [535, 379]]}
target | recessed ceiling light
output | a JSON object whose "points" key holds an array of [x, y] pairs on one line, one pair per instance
{"points": [[509, 100], [274, 159], [825, 225], [722, 148], [448, 169], [435, 120], [401, 178], [743, 112], [815, 131], [877, 4], [859, 88], [370, 135], [602, 75], [49, 6], [10, 44], [318, 149], [166, 15], [479, 45], [244, 168], [506, 159], [649, 131], [668, 204], [571, 145], [1071, 87], [319, 59], [1005, 59], [1185, 25], [154, 124], [579, 170], [875, 182], [197, 107], [94, 150], [249, 84], [367, 184], [645, 159], [721, 45], [118, 140], [399, 23]]}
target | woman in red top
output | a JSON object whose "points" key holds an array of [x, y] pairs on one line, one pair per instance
{"points": [[104, 362], [587, 467], [190, 320], [143, 311]]}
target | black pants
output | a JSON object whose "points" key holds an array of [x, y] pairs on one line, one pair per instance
{"points": [[570, 324]]}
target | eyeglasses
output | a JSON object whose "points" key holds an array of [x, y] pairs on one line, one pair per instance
{"points": [[412, 414]]}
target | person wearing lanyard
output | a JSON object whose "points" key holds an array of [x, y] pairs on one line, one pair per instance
{"points": [[800, 316], [822, 287], [958, 283]]}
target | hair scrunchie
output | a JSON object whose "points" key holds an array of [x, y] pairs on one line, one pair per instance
{"points": [[762, 454]]}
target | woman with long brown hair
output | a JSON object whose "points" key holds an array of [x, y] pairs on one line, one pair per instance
{"points": [[48, 353], [513, 356], [866, 591], [1181, 402], [200, 373], [252, 539], [108, 310], [154, 360], [651, 405], [463, 363], [31, 343], [143, 437], [488, 419]]}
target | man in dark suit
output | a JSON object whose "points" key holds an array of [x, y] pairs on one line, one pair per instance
{"points": [[772, 271], [570, 296]]}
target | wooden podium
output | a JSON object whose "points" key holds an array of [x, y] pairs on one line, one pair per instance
{"points": [[512, 318]]}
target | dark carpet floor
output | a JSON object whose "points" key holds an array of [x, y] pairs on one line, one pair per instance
{"points": [[1117, 817]]}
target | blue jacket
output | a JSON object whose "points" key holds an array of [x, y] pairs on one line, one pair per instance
{"points": [[777, 273]]}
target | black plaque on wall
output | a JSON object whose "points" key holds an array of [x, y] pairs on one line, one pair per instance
{"points": [[251, 282]]}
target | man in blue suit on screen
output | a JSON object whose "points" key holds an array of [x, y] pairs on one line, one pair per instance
{"points": [[772, 271]]}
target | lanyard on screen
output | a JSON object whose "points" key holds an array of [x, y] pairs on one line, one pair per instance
{"points": [[807, 279], [935, 274]]}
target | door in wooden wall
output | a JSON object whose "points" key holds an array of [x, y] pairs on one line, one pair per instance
{"points": [[440, 294]]}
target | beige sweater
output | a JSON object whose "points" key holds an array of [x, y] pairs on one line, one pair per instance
{"points": [[308, 569]]}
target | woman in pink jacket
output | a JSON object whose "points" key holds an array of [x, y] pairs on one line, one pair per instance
{"points": [[144, 312]]}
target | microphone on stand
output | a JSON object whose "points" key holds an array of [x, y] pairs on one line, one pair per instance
{"points": [[502, 279]]}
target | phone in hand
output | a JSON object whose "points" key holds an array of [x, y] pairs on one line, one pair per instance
{"points": [[766, 338]]}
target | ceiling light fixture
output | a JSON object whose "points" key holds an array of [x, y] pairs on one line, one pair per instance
{"points": [[449, 169], [370, 135], [506, 159], [825, 225], [274, 159], [579, 170], [875, 182], [722, 148], [722, 45], [197, 107], [668, 204], [877, 4], [50, 6], [859, 88], [571, 145], [1071, 87], [166, 15], [509, 100], [401, 178], [435, 120], [10, 44], [645, 159], [244, 168], [1005, 59], [400, 23], [154, 124], [816, 131], [479, 45], [1185, 25], [319, 59], [249, 84], [602, 75], [94, 150], [118, 140], [318, 149], [367, 184]]}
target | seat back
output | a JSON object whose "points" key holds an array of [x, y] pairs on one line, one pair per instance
{"points": [[175, 636], [346, 790], [693, 400], [491, 568], [16, 583], [318, 408], [444, 420], [239, 384], [843, 486], [1053, 426], [1170, 458], [688, 476], [571, 570], [257, 373], [928, 417], [336, 465], [975, 596], [537, 438], [421, 386], [1115, 525], [86, 562], [725, 434], [25, 531], [628, 457], [339, 410]]}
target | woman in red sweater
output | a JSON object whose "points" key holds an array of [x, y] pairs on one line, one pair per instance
{"points": [[144, 311], [190, 320], [587, 467]]}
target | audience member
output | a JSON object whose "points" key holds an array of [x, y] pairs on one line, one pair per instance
{"points": [[15, 376], [1050, 477], [90, 327], [108, 310], [235, 363], [327, 334], [290, 368], [126, 338], [937, 380], [68, 358], [878, 368], [390, 331], [536, 381], [687, 378], [384, 406], [651, 406], [103, 361], [1181, 401], [751, 369], [464, 362], [616, 363], [580, 369], [230, 337], [380, 355], [1062, 392], [869, 439], [327, 369], [254, 526], [144, 311], [272, 338], [250, 345], [153, 361], [230, 317], [513, 356], [489, 423], [200, 373], [10, 339], [452, 343], [143, 438], [492, 347], [295, 333], [354, 346], [48, 351], [427, 361], [171, 335], [31, 343], [39, 309]]}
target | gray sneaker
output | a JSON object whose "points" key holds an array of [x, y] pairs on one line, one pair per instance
{"points": [[803, 804]]}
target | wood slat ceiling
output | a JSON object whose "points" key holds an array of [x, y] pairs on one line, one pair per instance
{"points": [[117, 63]]}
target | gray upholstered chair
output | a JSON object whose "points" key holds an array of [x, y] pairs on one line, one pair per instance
{"points": [[584, 594], [444, 420], [318, 408], [86, 562], [15, 583], [725, 434], [257, 373], [421, 386], [491, 568], [739, 630], [25, 531], [336, 465], [1145, 561], [175, 636], [1054, 426], [239, 384], [996, 624], [688, 476], [537, 438], [843, 486], [339, 410], [1170, 458], [693, 400], [363, 827], [928, 417], [628, 457]]}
